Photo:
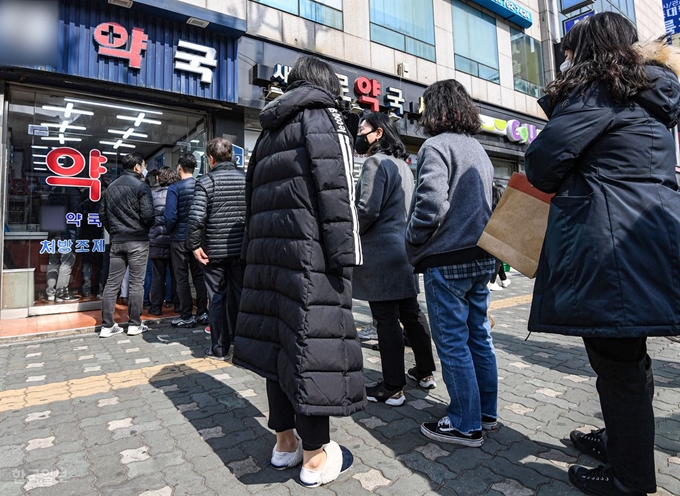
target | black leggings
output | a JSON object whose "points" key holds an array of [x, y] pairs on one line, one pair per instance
{"points": [[500, 272], [314, 431]]}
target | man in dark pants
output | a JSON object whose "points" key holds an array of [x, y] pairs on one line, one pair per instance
{"points": [[215, 235], [177, 208], [126, 212]]}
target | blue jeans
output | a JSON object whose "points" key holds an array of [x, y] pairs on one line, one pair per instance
{"points": [[457, 309]]}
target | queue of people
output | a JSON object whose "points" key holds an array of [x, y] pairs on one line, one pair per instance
{"points": [[287, 245]]}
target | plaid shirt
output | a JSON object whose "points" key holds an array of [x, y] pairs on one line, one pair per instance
{"points": [[469, 269]]}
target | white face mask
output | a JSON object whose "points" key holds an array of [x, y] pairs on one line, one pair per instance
{"points": [[144, 172], [565, 66]]}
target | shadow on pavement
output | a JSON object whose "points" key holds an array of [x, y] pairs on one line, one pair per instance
{"points": [[227, 422]]}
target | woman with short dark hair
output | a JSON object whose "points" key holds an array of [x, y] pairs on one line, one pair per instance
{"points": [[613, 233], [296, 326], [451, 206], [386, 279]]}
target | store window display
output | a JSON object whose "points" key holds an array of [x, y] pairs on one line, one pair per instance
{"points": [[63, 151]]}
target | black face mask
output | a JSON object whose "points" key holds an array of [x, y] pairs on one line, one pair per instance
{"points": [[361, 145]]}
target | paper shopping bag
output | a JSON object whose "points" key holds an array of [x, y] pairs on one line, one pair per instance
{"points": [[516, 229]]}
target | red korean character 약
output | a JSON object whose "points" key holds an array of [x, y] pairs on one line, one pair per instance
{"points": [[368, 91], [112, 39]]}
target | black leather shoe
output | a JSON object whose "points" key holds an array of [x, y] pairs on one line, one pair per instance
{"points": [[591, 443], [598, 481]]}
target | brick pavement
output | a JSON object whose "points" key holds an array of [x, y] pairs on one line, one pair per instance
{"points": [[148, 415]]}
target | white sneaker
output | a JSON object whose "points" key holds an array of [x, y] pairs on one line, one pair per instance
{"points": [[506, 283], [495, 287], [281, 460], [107, 332], [134, 330]]}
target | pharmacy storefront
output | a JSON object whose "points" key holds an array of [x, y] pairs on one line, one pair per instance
{"points": [[263, 74], [148, 79]]}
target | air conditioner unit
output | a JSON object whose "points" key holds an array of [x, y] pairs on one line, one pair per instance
{"points": [[402, 70]]}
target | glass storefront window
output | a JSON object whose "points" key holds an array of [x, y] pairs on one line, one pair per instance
{"points": [[405, 25], [527, 63], [326, 12], [52, 226], [475, 42]]}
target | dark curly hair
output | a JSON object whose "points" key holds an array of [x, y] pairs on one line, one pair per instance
{"points": [[603, 52], [449, 109], [167, 176], [390, 143]]}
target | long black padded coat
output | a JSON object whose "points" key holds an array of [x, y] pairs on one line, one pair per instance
{"points": [[610, 265], [295, 324]]}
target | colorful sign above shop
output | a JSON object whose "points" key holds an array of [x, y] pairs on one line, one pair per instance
{"points": [[369, 90], [67, 163]]}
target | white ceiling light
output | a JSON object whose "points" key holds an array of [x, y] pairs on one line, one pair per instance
{"points": [[63, 126], [39, 169], [39, 147], [110, 153], [39, 156], [39, 163], [68, 110], [61, 139], [117, 144], [128, 133], [195, 141], [109, 105], [139, 119]]}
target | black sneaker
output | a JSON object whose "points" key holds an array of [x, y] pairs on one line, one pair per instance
{"points": [[591, 444], [180, 322], [203, 319], [380, 394], [66, 298], [425, 381], [598, 481], [489, 423], [157, 311], [209, 353], [443, 432]]}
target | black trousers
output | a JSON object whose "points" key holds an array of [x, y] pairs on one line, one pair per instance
{"points": [[625, 384], [224, 282], [388, 314], [314, 431], [500, 272], [183, 262], [159, 267]]}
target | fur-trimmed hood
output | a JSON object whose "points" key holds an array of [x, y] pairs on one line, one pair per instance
{"points": [[660, 54], [663, 68]]}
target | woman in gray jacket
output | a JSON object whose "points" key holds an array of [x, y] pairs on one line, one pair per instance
{"points": [[386, 278]]}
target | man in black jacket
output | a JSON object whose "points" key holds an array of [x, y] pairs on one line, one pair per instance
{"points": [[177, 208], [215, 235], [127, 214]]}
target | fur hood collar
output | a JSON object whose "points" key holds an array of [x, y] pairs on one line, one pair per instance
{"points": [[661, 54]]}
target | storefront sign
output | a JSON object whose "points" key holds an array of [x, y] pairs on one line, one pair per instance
{"points": [[671, 16], [368, 91], [570, 23], [105, 42], [511, 129], [509, 10], [66, 173]]}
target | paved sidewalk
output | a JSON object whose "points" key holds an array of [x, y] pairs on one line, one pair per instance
{"points": [[148, 415]]}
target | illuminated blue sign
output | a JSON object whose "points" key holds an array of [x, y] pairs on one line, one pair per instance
{"points": [[509, 10]]}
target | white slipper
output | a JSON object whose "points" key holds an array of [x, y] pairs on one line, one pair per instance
{"points": [[338, 460], [282, 461]]}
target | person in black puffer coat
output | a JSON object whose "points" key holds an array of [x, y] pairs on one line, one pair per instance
{"points": [[159, 241], [607, 270], [215, 235], [296, 326]]}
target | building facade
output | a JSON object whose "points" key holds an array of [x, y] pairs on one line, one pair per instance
{"points": [[161, 77]]}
